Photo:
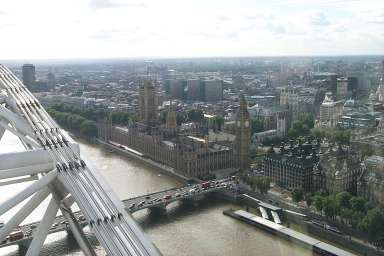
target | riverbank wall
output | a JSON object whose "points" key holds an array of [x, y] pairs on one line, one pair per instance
{"points": [[159, 167]]}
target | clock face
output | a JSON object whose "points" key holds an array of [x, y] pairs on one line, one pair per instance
{"points": [[246, 123]]}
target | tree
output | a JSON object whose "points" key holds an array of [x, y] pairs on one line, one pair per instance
{"points": [[257, 125], [356, 219], [343, 136], [309, 120], [258, 162], [308, 199], [318, 203], [253, 184], [180, 118], [346, 214], [301, 127], [357, 204], [318, 133], [342, 199], [88, 128], [265, 184], [373, 224], [330, 207], [195, 115], [332, 134], [219, 122], [297, 195], [119, 117], [292, 133]]}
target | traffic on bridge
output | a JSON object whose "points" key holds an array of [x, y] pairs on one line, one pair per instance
{"points": [[23, 234], [162, 198]]}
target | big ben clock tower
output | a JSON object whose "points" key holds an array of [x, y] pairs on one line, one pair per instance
{"points": [[243, 135]]}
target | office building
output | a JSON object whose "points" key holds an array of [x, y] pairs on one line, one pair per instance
{"points": [[29, 76], [213, 89], [342, 88], [330, 111]]}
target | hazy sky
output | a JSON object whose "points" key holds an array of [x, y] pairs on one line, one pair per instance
{"points": [[180, 28]]}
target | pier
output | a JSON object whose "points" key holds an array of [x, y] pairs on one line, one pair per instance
{"points": [[315, 245]]}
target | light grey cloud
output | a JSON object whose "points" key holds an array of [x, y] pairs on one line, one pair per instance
{"points": [[319, 19], [340, 28], [379, 18], [276, 28], [104, 4], [232, 35], [105, 34], [223, 17], [220, 35], [7, 25]]}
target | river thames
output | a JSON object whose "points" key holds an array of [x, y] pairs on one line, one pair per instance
{"points": [[183, 230]]}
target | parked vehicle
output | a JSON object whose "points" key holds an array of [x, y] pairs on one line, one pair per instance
{"points": [[333, 229]]}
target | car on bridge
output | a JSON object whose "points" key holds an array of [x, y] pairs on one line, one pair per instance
{"points": [[167, 197], [16, 235]]}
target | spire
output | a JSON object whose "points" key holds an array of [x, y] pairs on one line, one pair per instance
{"points": [[171, 122], [243, 109], [243, 102], [243, 134]]}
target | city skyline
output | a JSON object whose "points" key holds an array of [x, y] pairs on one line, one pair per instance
{"points": [[146, 28]]}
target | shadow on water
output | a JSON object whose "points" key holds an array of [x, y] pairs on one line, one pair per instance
{"points": [[175, 212], [65, 244]]}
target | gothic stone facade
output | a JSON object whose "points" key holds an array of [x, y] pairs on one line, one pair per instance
{"points": [[188, 155], [292, 166]]}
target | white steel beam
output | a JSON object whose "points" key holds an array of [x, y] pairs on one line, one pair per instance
{"points": [[19, 180], [42, 231], [2, 130], [77, 231], [27, 158], [33, 159], [68, 201], [23, 137], [59, 193], [23, 213], [28, 191], [20, 123], [25, 170]]}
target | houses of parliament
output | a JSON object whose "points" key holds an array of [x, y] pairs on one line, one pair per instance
{"points": [[192, 154]]}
